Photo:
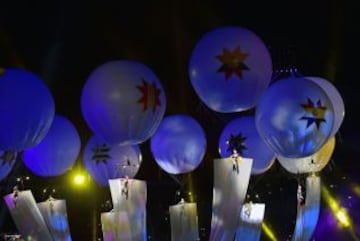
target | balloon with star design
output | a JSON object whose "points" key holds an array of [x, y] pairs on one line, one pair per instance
{"points": [[179, 144], [295, 117], [241, 135], [123, 102], [335, 98], [104, 161], [7, 162], [26, 109], [57, 152], [230, 67]]}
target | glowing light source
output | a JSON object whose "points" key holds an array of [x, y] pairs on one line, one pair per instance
{"points": [[340, 213], [268, 232], [343, 218], [79, 179]]}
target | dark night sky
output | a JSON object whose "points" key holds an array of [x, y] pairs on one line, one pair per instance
{"points": [[63, 41]]}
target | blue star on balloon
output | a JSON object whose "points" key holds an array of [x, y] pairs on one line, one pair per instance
{"points": [[101, 153], [236, 142]]}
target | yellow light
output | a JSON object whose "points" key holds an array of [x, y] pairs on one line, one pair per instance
{"points": [[190, 182], [343, 218], [79, 179], [340, 213], [356, 189], [331, 201], [268, 232]]}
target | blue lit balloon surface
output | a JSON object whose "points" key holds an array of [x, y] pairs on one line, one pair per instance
{"points": [[123, 102], [295, 117], [241, 134], [335, 98], [26, 109], [179, 144], [57, 152], [7, 162], [105, 162], [230, 67]]}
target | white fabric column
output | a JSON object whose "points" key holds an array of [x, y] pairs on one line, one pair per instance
{"points": [[55, 215], [308, 212], [27, 216], [129, 195], [251, 218], [184, 222], [231, 180], [115, 226]]}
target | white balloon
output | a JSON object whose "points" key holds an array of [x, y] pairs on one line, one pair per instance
{"points": [[336, 100], [123, 102], [312, 163]]}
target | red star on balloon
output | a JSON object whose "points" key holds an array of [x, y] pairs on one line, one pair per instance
{"points": [[232, 62], [150, 95]]}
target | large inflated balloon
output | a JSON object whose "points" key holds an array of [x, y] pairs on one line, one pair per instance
{"points": [[309, 164], [295, 117], [104, 161], [179, 144], [57, 152], [26, 109], [335, 98], [123, 102], [7, 162], [230, 67], [241, 135]]}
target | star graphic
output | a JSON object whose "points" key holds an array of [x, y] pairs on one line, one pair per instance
{"points": [[150, 95], [236, 142], [8, 157], [316, 111], [101, 153], [232, 62]]}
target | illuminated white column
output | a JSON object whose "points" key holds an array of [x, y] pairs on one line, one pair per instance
{"points": [[251, 218], [115, 226], [54, 213], [27, 216], [184, 222], [308, 211], [129, 195], [231, 180]]}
